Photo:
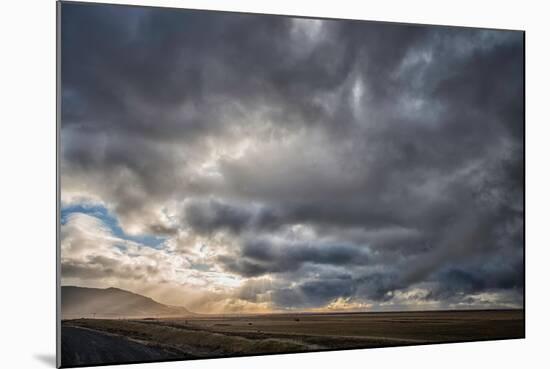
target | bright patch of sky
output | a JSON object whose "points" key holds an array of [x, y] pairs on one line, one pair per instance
{"points": [[111, 221]]}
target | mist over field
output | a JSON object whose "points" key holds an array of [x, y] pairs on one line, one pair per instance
{"points": [[233, 163]]}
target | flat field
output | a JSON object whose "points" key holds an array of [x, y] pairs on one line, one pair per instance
{"points": [[100, 341]]}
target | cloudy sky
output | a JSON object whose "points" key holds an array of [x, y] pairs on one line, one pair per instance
{"points": [[251, 163]]}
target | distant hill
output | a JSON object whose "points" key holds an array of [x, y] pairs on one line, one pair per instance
{"points": [[80, 302]]}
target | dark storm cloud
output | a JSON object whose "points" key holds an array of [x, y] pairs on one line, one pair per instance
{"points": [[321, 291], [213, 215], [262, 256], [398, 149], [314, 293]]}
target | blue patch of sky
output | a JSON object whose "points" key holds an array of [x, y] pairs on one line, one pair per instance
{"points": [[111, 221]]}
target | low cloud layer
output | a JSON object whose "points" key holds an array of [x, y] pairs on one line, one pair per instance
{"points": [[281, 163]]}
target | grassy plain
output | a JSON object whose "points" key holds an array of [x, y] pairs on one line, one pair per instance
{"points": [[218, 336]]}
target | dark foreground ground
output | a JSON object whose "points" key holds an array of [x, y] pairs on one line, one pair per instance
{"points": [[102, 341]]}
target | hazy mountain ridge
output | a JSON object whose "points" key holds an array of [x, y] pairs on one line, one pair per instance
{"points": [[83, 302]]}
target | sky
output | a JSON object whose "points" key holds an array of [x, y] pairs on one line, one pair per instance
{"points": [[237, 163]]}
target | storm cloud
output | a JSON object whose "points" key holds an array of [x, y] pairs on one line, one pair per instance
{"points": [[291, 163]]}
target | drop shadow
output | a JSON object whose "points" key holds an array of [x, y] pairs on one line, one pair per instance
{"points": [[48, 359]]}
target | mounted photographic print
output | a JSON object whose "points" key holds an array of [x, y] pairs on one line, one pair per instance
{"points": [[237, 184]]}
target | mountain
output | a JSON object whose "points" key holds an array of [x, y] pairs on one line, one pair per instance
{"points": [[80, 302]]}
